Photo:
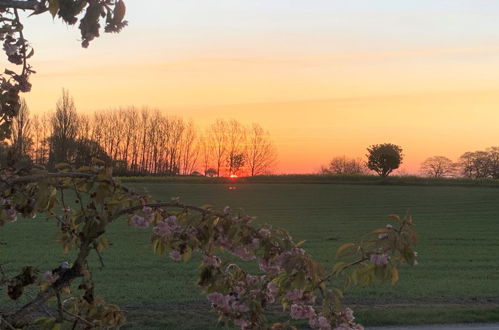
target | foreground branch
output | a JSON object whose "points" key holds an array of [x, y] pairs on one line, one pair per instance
{"points": [[19, 318], [20, 4], [178, 205], [43, 176]]}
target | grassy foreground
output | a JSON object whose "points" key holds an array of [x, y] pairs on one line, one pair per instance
{"points": [[457, 279]]}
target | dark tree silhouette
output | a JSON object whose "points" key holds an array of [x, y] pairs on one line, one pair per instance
{"points": [[384, 158]]}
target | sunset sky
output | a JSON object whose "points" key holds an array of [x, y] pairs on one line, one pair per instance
{"points": [[326, 78]]}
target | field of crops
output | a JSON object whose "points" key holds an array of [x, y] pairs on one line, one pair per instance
{"points": [[457, 278]]}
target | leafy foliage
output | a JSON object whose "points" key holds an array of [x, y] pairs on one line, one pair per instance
{"points": [[289, 276], [384, 158]]}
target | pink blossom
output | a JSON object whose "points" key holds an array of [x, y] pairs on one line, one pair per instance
{"points": [[301, 312], [294, 295], [252, 279], [175, 255], [264, 232], [241, 308], [299, 296], [269, 267], [147, 210], [255, 243], [11, 215], [50, 277], [212, 260], [244, 324], [383, 236], [319, 322], [167, 227], [224, 303], [379, 259], [239, 288], [141, 222], [223, 241], [272, 288], [191, 231], [243, 253], [349, 314], [216, 298]]}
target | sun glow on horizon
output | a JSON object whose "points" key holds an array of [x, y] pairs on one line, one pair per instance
{"points": [[326, 79]]}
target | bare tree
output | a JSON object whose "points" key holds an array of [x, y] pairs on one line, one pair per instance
{"points": [[261, 153], [475, 164], [206, 156], [345, 166], [22, 140], [217, 141], [41, 133], [236, 146], [438, 167], [65, 123], [189, 150]]}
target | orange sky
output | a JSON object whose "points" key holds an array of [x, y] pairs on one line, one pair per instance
{"points": [[326, 78]]}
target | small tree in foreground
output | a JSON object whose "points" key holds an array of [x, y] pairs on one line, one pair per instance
{"points": [[384, 158]]}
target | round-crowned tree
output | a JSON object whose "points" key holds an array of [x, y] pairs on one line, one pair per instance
{"points": [[384, 158]]}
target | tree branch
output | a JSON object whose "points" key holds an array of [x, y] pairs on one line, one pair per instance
{"points": [[175, 205], [43, 176], [20, 4], [18, 318]]}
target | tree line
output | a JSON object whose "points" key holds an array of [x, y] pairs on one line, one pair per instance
{"points": [[480, 164], [139, 142], [384, 158]]}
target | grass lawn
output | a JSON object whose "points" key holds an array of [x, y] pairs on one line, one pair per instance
{"points": [[457, 279]]}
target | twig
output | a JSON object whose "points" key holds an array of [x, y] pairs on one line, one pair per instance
{"points": [[17, 4], [99, 256], [4, 321], [59, 306], [175, 205], [78, 317], [43, 176]]}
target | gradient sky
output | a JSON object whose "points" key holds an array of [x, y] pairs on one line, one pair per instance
{"points": [[326, 78]]}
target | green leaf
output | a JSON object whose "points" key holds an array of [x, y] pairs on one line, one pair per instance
{"points": [[339, 267], [342, 249], [186, 256], [395, 275], [53, 7]]}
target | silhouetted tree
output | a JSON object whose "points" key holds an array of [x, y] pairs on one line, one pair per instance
{"points": [[344, 165], [384, 158], [480, 164], [217, 141], [438, 167], [65, 124], [22, 141], [261, 154]]}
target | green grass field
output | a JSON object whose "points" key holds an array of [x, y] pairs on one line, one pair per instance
{"points": [[457, 279]]}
